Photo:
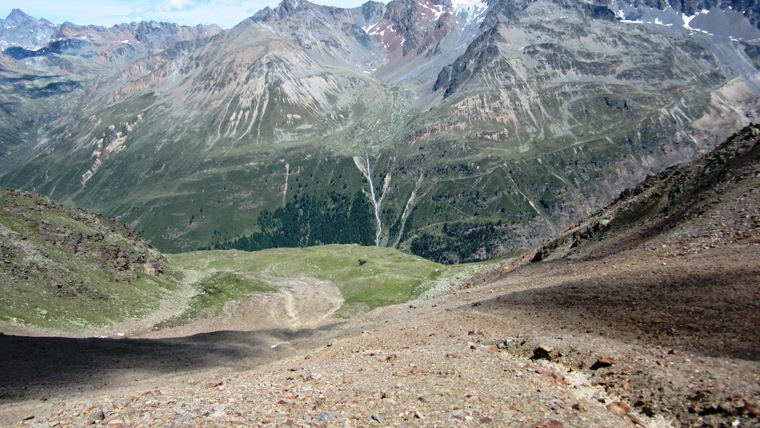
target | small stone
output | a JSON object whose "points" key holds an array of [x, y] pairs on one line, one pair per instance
{"points": [[542, 352], [486, 420], [459, 414], [619, 408], [579, 407], [376, 418], [324, 416], [96, 415], [418, 415], [602, 362]]}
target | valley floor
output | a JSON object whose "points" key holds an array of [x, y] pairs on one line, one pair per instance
{"points": [[659, 335]]}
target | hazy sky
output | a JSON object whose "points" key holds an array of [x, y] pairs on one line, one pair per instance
{"points": [[226, 13]]}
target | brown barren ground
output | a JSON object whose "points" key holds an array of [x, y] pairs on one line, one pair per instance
{"points": [[680, 333]]}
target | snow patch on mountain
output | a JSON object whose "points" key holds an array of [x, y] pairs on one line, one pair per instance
{"points": [[715, 22], [470, 10], [437, 9]]}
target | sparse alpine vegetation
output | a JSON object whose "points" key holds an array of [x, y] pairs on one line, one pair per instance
{"points": [[68, 269]]}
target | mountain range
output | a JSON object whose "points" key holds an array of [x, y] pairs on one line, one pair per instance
{"points": [[455, 130]]}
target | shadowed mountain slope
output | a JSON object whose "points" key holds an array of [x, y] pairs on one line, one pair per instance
{"points": [[710, 202]]}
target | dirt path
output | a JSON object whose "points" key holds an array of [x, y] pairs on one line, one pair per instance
{"points": [[171, 306], [309, 302], [299, 303]]}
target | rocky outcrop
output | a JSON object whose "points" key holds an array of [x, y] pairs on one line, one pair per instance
{"points": [[68, 269], [749, 8]]}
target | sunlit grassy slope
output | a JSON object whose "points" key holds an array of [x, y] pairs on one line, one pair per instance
{"points": [[368, 277], [68, 269]]}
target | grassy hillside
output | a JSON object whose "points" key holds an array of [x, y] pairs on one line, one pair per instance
{"points": [[70, 269], [368, 277]]}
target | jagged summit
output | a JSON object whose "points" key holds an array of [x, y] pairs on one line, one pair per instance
{"points": [[18, 17], [23, 31], [20, 29], [285, 9]]}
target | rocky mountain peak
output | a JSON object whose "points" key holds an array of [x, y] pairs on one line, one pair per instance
{"points": [[286, 9], [373, 11], [418, 26], [20, 29], [17, 15]]}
